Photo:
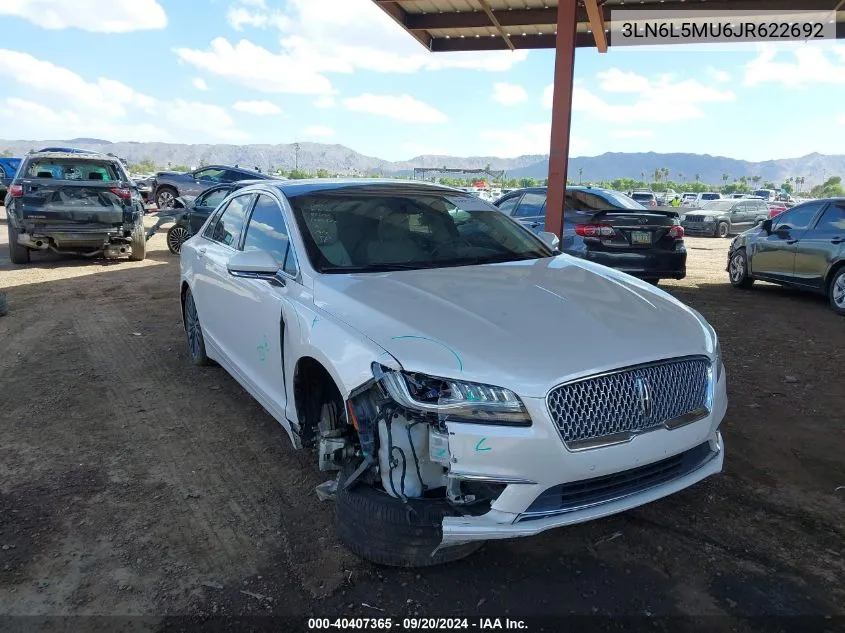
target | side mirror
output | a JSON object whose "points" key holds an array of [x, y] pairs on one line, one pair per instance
{"points": [[254, 264], [551, 240], [766, 225]]}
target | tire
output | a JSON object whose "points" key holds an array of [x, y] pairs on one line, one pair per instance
{"points": [[723, 230], [193, 333], [17, 253], [738, 270], [386, 531], [165, 197], [176, 236], [139, 244], [836, 291]]}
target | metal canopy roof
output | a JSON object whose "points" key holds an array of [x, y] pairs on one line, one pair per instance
{"points": [[484, 25]]}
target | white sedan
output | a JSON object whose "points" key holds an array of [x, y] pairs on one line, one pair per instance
{"points": [[468, 382]]}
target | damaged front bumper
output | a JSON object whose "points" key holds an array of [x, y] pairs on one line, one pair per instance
{"points": [[496, 524]]}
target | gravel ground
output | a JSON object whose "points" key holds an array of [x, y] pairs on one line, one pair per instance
{"points": [[132, 483]]}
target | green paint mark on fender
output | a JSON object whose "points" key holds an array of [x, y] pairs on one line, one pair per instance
{"points": [[441, 452], [263, 350], [479, 447]]}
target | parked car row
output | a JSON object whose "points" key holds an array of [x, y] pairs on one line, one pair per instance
{"points": [[167, 186]]}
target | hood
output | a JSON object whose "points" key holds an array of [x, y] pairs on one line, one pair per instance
{"points": [[524, 325], [707, 212]]}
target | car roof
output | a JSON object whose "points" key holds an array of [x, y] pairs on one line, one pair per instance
{"points": [[74, 155], [292, 188]]}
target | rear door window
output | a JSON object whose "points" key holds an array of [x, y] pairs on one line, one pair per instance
{"points": [[531, 205], [507, 206]]}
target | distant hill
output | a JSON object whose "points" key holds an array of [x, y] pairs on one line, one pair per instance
{"points": [[338, 159]]}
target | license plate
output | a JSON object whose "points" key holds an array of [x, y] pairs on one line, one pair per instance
{"points": [[640, 237]]}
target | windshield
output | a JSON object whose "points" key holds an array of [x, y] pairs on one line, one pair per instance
{"points": [[378, 228], [763, 193], [710, 196], [719, 205]]}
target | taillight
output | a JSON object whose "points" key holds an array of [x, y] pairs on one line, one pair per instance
{"points": [[595, 230], [16, 191], [122, 192], [676, 232]]}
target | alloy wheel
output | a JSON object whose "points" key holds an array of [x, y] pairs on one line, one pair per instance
{"points": [[177, 236], [839, 291], [192, 325], [737, 268], [165, 200]]}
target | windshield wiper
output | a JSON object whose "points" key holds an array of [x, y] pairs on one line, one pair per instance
{"points": [[375, 268]]}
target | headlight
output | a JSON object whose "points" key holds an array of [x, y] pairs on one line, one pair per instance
{"points": [[455, 400]]}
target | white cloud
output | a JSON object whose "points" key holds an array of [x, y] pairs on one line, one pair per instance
{"points": [[529, 138], [509, 94], [255, 67], [317, 132], [657, 101], [615, 80], [718, 75], [199, 84], [326, 101], [631, 134], [98, 16], [401, 107], [259, 108], [328, 36], [807, 65], [105, 97], [102, 108]]}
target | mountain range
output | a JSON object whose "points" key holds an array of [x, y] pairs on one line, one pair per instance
{"points": [[338, 159]]}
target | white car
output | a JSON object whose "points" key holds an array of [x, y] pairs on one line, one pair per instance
{"points": [[468, 382]]}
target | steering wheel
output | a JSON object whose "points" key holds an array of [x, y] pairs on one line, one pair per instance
{"points": [[458, 240]]}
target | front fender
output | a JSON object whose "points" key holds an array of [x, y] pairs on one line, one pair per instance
{"points": [[346, 354]]}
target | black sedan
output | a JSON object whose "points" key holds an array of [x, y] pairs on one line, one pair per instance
{"points": [[608, 228], [169, 185], [190, 214], [803, 247]]}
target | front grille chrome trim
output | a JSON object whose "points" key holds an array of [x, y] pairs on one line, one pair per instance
{"points": [[703, 410]]}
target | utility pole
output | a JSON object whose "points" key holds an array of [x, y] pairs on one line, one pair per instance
{"points": [[296, 156]]}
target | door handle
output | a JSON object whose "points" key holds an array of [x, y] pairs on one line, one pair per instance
{"points": [[837, 240], [791, 241]]}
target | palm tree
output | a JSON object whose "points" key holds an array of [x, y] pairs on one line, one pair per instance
{"points": [[698, 178], [756, 179], [725, 178], [681, 177], [580, 175], [666, 174], [658, 173]]}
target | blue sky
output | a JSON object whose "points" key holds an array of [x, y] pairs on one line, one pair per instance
{"points": [[339, 71]]}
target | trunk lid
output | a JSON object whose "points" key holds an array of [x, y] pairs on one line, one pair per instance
{"points": [[48, 201], [634, 230]]}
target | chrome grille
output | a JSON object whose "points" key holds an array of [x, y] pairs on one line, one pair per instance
{"points": [[615, 406], [694, 218]]}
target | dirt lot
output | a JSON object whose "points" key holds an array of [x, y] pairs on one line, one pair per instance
{"points": [[133, 483]]}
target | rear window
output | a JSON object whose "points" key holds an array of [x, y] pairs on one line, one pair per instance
{"points": [[642, 196], [710, 196], [584, 200], [69, 169]]}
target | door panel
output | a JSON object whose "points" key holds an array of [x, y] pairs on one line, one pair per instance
{"points": [[821, 247], [774, 256]]}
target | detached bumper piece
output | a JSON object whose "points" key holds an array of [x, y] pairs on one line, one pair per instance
{"points": [[579, 495]]}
